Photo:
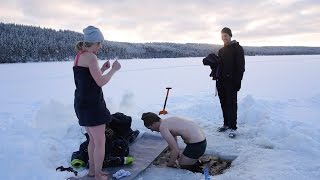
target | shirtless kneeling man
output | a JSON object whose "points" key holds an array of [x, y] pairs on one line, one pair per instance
{"points": [[170, 128]]}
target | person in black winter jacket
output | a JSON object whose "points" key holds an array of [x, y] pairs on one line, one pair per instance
{"points": [[231, 67]]}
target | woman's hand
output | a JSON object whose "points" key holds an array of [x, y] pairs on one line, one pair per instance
{"points": [[105, 66], [116, 65]]}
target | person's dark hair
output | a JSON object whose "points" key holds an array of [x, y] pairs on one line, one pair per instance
{"points": [[149, 118], [80, 45], [227, 31]]}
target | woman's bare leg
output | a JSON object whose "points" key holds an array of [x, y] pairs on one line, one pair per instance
{"points": [[90, 153], [98, 134]]}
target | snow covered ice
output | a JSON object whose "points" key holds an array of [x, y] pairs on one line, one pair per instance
{"points": [[278, 115]]}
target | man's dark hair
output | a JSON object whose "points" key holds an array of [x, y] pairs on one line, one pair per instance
{"points": [[227, 31], [149, 118]]}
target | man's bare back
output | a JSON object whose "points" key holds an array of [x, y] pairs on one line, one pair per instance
{"points": [[189, 131], [172, 127]]}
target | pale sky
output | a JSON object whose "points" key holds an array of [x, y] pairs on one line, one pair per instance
{"points": [[253, 22]]}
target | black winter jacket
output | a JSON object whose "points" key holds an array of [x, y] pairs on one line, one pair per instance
{"points": [[232, 63]]}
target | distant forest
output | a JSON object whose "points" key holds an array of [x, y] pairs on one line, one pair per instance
{"points": [[22, 43]]}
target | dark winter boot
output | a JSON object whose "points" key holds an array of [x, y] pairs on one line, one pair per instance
{"points": [[223, 128]]}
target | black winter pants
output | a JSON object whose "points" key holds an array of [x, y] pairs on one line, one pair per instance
{"points": [[228, 99]]}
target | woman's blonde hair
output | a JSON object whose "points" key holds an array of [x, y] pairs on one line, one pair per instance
{"points": [[80, 45]]}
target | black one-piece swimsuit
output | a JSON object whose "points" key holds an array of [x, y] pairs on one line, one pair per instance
{"points": [[89, 103]]}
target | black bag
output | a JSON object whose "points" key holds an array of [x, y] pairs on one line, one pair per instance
{"points": [[117, 147], [121, 124], [118, 134]]}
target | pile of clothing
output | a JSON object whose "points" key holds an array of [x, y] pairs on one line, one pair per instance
{"points": [[118, 137]]}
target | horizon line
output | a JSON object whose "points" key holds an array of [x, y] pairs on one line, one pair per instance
{"points": [[143, 42]]}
